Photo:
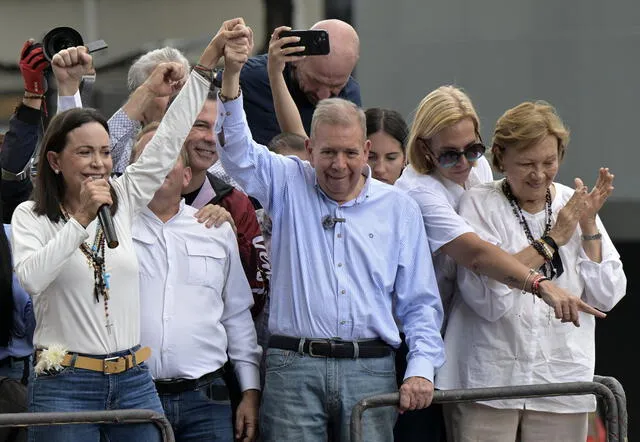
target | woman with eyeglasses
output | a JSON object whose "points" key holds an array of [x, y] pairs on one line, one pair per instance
{"points": [[446, 158], [497, 337]]}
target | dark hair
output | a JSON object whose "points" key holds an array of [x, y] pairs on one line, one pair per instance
{"points": [[49, 188], [286, 141], [387, 121], [6, 291]]}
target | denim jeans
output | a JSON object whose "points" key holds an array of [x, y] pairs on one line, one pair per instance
{"points": [[76, 389], [304, 396], [197, 416]]}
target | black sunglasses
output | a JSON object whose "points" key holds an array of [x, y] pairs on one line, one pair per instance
{"points": [[450, 157]]}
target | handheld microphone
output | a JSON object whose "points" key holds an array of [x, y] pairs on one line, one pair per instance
{"points": [[329, 222], [104, 215]]}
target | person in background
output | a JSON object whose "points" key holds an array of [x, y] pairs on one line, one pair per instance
{"points": [[195, 308], [386, 129], [20, 141], [388, 132], [308, 80], [498, 337], [287, 143], [17, 321], [86, 297]]}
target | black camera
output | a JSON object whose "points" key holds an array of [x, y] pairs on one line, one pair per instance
{"points": [[65, 37]]}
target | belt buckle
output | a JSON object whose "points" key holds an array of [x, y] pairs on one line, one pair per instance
{"points": [[105, 366], [311, 353]]}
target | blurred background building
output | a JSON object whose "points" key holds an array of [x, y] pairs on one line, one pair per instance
{"points": [[576, 54]]}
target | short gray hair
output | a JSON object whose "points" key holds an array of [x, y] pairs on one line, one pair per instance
{"points": [[145, 64], [338, 112]]}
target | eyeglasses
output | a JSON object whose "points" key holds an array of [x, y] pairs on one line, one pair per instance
{"points": [[472, 153]]}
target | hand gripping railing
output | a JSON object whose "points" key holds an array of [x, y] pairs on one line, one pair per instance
{"points": [[493, 393], [91, 417]]}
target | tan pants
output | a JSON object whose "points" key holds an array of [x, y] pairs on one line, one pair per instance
{"points": [[470, 422]]}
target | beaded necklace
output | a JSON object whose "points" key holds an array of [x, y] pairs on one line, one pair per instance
{"points": [[95, 259], [547, 268]]}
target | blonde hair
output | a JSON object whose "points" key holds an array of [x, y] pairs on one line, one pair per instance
{"points": [[525, 125], [148, 128], [440, 109]]}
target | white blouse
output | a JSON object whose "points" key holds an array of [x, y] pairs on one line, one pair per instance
{"points": [[438, 198], [497, 336], [54, 271]]}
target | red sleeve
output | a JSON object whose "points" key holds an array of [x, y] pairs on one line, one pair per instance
{"points": [[253, 253]]}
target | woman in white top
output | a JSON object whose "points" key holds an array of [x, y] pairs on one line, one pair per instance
{"points": [[446, 158], [496, 336], [86, 295]]}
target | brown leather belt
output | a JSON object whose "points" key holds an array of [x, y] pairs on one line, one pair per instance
{"points": [[115, 365]]}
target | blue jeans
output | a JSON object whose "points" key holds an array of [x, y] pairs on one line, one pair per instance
{"points": [[304, 396], [75, 389], [197, 416]]}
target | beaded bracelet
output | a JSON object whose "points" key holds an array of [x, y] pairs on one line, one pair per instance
{"points": [[535, 285], [224, 98], [526, 281], [208, 73], [551, 243], [540, 247]]}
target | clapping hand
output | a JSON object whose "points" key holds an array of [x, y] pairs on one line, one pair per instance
{"points": [[596, 198]]}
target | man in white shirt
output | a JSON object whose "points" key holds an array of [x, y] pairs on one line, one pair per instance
{"points": [[195, 309]]}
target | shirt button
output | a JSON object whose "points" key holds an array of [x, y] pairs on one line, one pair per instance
{"points": [[343, 291], [343, 322], [339, 235], [228, 113], [339, 264]]}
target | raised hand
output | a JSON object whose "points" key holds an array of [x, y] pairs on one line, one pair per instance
{"points": [[238, 49], [598, 195], [32, 66], [69, 65], [565, 306], [230, 29], [279, 56], [570, 215], [165, 80]]}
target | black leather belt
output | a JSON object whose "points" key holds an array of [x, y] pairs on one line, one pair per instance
{"points": [[333, 348], [176, 386]]}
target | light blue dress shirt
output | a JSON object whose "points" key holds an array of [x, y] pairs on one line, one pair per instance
{"points": [[24, 320], [345, 281]]}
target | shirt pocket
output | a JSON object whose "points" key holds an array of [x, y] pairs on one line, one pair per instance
{"points": [[144, 242], [206, 264]]}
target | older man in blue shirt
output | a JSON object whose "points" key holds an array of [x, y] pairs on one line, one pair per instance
{"points": [[348, 252]]}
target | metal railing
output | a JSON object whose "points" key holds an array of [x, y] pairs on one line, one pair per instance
{"points": [[91, 417], [600, 388], [621, 399]]}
